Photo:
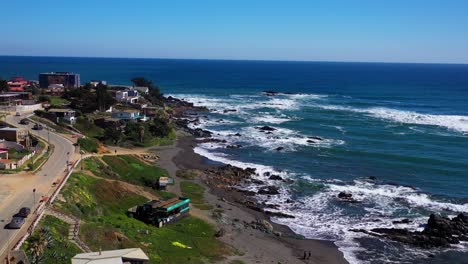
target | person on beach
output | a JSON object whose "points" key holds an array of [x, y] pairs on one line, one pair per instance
{"points": [[310, 254], [305, 255]]}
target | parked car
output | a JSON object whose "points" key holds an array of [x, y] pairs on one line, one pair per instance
{"points": [[38, 127], [16, 223], [24, 122], [24, 212], [18, 114]]}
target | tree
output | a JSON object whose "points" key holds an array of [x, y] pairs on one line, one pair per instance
{"points": [[104, 99], [37, 244], [113, 134], [161, 126], [154, 93], [4, 87]]}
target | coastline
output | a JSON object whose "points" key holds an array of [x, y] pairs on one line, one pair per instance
{"points": [[254, 245]]}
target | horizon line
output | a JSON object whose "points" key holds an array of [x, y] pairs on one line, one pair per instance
{"points": [[220, 59]]}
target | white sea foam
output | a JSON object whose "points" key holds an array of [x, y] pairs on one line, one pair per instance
{"points": [[453, 122]]}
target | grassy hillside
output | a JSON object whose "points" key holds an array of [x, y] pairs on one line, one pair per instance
{"points": [[132, 170], [102, 204]]}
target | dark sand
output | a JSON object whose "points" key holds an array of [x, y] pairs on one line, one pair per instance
{"points": [[253, 246]]}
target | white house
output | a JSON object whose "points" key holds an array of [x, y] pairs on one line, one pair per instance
{"points": [[129, 114]]}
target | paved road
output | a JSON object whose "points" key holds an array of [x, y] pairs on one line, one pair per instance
{"points": [[20, 186]]}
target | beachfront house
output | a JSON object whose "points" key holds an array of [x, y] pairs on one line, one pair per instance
{"points": [[127, 96], [161, 212], [126, 114], [141, 89], [120, 256]]}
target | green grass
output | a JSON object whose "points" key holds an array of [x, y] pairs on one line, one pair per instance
{"points": [[133, 170], [60, 250], [196, 194], [103, 205], [186, 174], [88, 128], [89, 144], [58, 101], [17, 155]]}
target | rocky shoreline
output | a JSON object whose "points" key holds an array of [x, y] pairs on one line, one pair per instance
{"points": [[227, 182]]}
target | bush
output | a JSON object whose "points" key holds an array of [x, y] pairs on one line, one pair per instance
{"points": [[89, 144]]}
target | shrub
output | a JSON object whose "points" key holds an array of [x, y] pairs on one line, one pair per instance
{"points": [[89, 144]]}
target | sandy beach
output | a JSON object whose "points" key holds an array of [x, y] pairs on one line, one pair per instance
{"points": [[251, 245]]}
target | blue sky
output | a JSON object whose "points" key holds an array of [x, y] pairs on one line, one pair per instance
{"points": [[331, 30]]}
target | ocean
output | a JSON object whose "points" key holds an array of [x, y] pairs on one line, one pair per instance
{"points": [[337, 126]]}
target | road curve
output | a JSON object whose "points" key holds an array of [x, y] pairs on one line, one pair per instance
{"points": [[22, 194]]}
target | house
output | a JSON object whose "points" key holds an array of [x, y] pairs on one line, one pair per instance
{"points": [[128, 114], [66, 79], [95, 83], [162, 182], [22, 95], [3, 153], [66, 115], [8, 99], [109, 122], [141, 89], [17, 135], [128, 96], [17, 84], [161, 212], [120, 256], [6, 164], [151, 111]]}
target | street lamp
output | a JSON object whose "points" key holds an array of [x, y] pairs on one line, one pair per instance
{"points": [[34, 197], [81, 152]]}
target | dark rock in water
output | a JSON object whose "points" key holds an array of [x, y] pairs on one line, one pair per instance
{"points": [[236, 135], [201, 133], [402, 221], [439, 232], [255, 181], [344, 195], [289, 201], [229, 110], [269, 133], [372, 178], [315, 138], [266, 128], [279, 148], [275, 177], [270, 190], [288, 181], [234, 146], [270, 206], [278, 214], [266, 173]]}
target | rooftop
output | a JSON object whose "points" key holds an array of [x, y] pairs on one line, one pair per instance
{"points": [[59, 110], [110, 257], [10, 129]]}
